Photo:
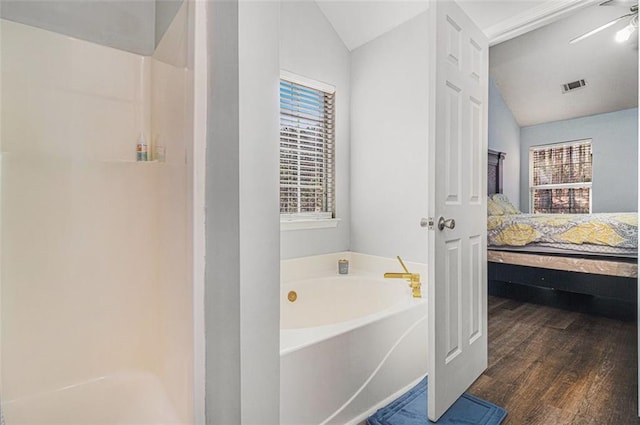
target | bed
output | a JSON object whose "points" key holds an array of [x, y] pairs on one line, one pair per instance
{"points": [[550, 256]]}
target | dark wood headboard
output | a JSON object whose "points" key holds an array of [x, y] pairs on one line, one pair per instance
{"points": [[494, 172]]}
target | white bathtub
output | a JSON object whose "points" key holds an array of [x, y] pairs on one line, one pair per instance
{"points": [[349, 345], [133, 397]]}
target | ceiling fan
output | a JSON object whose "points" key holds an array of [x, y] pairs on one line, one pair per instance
{"points": [[621, 36]]}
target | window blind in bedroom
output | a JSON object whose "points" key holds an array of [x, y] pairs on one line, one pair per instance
{"points": [[306, 151], [560, 177]]}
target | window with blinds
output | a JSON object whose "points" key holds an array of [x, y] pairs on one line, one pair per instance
{"points": [[560, 177], [306, 151]]}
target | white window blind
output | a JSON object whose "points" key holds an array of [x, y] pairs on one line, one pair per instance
{"points": [[306, 151], [560, 177]]}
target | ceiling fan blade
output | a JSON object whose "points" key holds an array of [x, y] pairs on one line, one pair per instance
{"points": [[620, 3], [597, 30]]}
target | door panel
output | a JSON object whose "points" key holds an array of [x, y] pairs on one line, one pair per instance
{"points": [[452, 304], [457, 162], [452, 142]]}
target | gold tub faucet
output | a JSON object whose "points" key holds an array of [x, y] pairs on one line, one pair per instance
{"points": [[414, 279]]}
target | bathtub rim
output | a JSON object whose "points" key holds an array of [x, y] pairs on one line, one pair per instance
{"points": [[299, 338]]}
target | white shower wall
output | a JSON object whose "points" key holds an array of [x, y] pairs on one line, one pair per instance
{"points": [[172, 127], [95, 246]]}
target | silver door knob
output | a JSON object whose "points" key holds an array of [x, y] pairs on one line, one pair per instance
{"points": [[442, 223]]}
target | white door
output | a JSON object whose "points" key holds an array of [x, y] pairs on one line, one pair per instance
{"points": [[457, 284]]}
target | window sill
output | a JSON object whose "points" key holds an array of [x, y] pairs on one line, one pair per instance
{"points": [[308, 224]]}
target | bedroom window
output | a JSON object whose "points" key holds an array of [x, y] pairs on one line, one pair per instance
{"points": [[306, 149], [560, 178]]}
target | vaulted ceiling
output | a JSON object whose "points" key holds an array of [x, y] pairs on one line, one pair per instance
{"points": [[530, 70], [530, 56]]}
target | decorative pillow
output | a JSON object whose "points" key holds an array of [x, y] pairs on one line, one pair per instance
{"points": [[493, 208], [505, 204]]}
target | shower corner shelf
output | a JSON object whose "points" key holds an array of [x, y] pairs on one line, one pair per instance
{"points": [[133, 161]]}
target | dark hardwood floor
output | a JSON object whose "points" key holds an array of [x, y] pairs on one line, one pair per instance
{"points": [[554, 367]]}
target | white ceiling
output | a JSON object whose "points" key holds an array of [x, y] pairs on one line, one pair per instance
{"points": [[530, 68], [358, 22]]}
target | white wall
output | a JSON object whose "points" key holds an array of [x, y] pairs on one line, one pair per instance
{"points": [[614, 145], [242, 280], [309, 46], [389, 136], [222, 266], [259, 212], [504, 136], [95, 245]]}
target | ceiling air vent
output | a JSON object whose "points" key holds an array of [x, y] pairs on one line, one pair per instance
{"points": [[574, 85]]}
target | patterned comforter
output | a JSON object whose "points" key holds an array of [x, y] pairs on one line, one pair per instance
{"points": [[610, 229]]}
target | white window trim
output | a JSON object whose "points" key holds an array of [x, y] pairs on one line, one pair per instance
{"points": [[532, 188], [307, 221], [304, 81], [562, 186]]}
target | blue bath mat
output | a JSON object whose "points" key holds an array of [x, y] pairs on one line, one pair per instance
{"points": [[411, 409]]}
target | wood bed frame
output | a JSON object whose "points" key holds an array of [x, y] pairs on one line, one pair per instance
{"points": [[552, 277]]}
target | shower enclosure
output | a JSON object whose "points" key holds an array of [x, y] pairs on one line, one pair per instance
{"points": [[96, 256]]}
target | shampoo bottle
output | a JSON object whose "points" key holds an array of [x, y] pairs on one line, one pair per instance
{"points": [[141, 149]]}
